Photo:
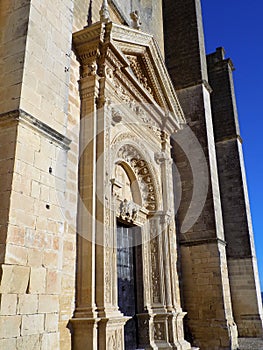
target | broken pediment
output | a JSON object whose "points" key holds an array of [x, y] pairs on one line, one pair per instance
{"points": [[134, 59]]}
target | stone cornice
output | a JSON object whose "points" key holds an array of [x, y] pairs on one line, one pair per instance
{"points": [[230, 138], [20, 116], [205, 83], [204, 241]]}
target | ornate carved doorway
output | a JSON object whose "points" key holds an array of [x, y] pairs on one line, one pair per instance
{"points": [[130, 286], [128, 112]]}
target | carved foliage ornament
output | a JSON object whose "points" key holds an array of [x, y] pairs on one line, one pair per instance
{"points": [[129, 210], [138, 72]]}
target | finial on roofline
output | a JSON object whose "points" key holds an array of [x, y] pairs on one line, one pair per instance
{"points": [[104, 12], [89, 16]]}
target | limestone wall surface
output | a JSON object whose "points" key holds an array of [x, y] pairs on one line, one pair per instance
{"points": [[38, 190], [39, 158]]}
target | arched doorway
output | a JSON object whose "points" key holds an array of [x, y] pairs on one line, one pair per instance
{"points": [[129, 252]]}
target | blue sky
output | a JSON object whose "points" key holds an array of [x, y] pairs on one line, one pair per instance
{"points": [[238, 27]]}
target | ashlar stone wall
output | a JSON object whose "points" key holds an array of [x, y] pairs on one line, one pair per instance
{"points": [[38, 176]]}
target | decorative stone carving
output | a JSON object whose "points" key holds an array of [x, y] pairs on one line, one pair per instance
{"points": [[143, 325], [122, 137], [160, 157], [104, 12], [116, 116], [111, 52], [136, 20], [122, 93], [115, 340], [109, 73], [138, 72], [155, 270], [140, 167], [112, 342], [129, 210], [108, 274], [159, 331], [89, 70]]}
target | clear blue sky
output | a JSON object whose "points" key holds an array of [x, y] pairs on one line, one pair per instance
{"points": [[238, 27]]}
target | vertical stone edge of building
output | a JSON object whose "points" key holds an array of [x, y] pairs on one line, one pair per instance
{"points": [[204, 244], [241, 255], [36, 292]]}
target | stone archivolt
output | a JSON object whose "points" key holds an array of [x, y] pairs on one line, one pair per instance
{"points": [[140, 167]]}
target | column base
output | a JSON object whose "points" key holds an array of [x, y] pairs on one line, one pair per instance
{"points": [[98, 333], [84, 333], [162, 331]]}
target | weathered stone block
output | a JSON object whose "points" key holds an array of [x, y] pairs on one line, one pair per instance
{"points": [[8, 304], [48, 303], [16, 255], [27, 304], [32, 324], [53, 282], [16, 235], [34, 258], [50, 259], [37, 283], [51, 323], [14, 279], [31, 342], [10, 326], [8, 344], [50, 341]]}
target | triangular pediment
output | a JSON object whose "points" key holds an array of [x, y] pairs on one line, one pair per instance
{"points": [[147, 65], [137, 55]]}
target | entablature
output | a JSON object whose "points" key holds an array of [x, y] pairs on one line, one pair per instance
{"points": [[134, 73]]}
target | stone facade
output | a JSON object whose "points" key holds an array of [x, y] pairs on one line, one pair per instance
{"points": [[111, 115]]}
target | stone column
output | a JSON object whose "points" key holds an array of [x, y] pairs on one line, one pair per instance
{"points": [[111, 325], [172, 291], [97, 323], [85, 316]]}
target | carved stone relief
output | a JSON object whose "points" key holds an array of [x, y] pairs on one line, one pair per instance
{"points": [[159, 331], [138, 72], [140, 167], [154, 254]]}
